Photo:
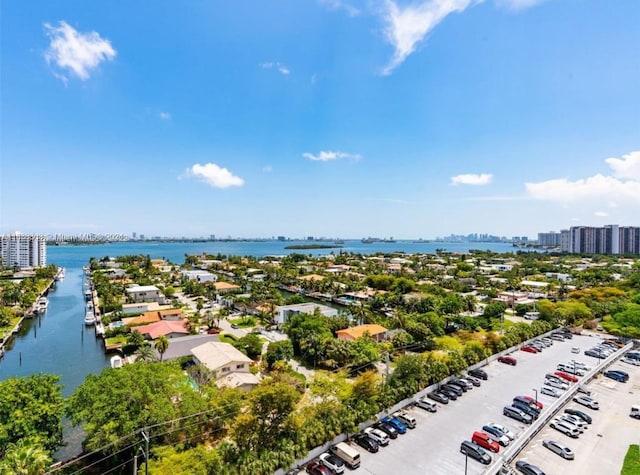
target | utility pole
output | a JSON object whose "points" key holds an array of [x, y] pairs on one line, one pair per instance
{"points": [[146, 451]]}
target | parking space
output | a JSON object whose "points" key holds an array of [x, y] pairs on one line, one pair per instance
{"points": [[434, 445], [603, 445]]}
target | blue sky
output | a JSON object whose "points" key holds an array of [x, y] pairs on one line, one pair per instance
{"points": [[333, 118]]}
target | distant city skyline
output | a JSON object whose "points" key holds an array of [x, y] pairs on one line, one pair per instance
{"points": [[411, 119]]}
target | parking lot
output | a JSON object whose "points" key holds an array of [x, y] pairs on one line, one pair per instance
{"points": [[434, 445], [602, 447]]}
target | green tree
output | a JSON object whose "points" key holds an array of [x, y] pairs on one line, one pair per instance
{"points": [[145, 354], [135, 339], [25, 457], [278, 351], [161, 345], [250, 345], [31, 407]]}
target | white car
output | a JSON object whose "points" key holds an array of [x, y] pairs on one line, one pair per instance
{"points": [[575, 420], [571, 423], [332, 462], [631, 361], [377, 435], [556, 384], [565, 428], [424, 403], [504, 430], [580, 364], [546, 390], [587, 401]]}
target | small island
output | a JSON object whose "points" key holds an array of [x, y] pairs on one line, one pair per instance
{"points": [[313, 246]]}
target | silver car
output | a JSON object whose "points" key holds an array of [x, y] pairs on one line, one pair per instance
{"points": [[556, 384], [546, 390], [559, 449], [587, 401], [504, 430]]}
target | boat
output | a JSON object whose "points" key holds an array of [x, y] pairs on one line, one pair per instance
{"points": [[117, 361], [60, 275], [89, 318], [43, 304], [86, 269], [88, 294], [99, 329]]}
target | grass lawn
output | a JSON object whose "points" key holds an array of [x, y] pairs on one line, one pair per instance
{"points": [[631, 464], [244, 322], [231, 339], [8, 328]]}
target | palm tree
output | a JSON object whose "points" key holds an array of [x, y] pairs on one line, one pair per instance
{"points": [[161, 345], [145, 354], [26, 457]]}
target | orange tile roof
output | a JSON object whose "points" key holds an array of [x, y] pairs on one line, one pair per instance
{"points": [[147, 317], [359, 331], [163, 327]]}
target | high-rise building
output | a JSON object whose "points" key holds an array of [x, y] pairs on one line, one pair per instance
{"points": [[610, 239], [550, 239], [24, 250]]}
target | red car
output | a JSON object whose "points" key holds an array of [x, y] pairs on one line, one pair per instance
{"points": [[533, 401], [507, 360], [529, 349], [566, 376], [484, 440], [316, 468]]}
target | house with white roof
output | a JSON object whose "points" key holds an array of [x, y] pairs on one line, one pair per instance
{"points": [[229, 365], [145, 293]]}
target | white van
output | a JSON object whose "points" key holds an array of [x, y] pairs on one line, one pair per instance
{"points": [[348, 454], [407, 418]]}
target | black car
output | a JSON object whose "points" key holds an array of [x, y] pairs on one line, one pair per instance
{"points": [[387, 429], [526, 408], [456, 384], [449, 393], [479, 373], [578, 413], [528, 469], [367, 443], [475, 452], [617, 376], [475, 381], [455, 388], [436, 396]]}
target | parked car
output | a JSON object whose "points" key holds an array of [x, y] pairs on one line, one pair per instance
{"points": [[566, 376], [528, 469], [234, 326], [476, 382], [584, 390], [575, 349], [387, 429], [595, 354], [485, 441], [529, 349], [316, 468], [497, 435], [578, 413], [475, 452], [507, 360], [555, 384], [367, 443], [527, 409], [376, 434], [458, 388], [332, 462], [504, 430], [480, 373], [399, 425], [559, 449], [570, 369], [531, 400], [547, 391], [553, 377], [575, 420], [557, 337], [517, 414], [631, 361], [436, 396], [408, 419], [565, 428], [618, 375], [587, 401], [427, 405], [450, 394], [465, 383]]}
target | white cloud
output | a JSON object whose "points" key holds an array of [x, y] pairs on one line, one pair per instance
{"points": [[281, 68], [594, 187], [329, 156], [340, 5], [164, 115], [407, 26], [267, 169], [623, 186], [213, 175], [472, 179], [601, 214], [75, 52], [626, 167]]}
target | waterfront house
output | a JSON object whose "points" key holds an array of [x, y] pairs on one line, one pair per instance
{"points": [[226, 287], [179, 347], [145, 293], [163, 327], [171, 314], [133, 308], [199, 275], [224, 361], [377, 332], [285, 311]]}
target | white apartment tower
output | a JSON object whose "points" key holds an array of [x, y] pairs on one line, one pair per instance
{"points": [[24, 250]]}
